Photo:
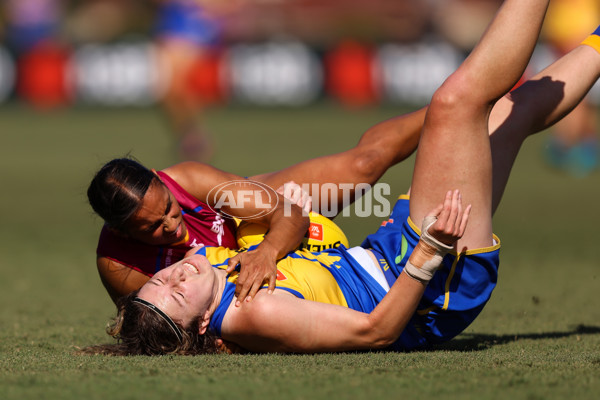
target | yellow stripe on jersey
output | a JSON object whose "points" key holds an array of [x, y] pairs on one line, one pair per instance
{"points": [[304, 272], [593, 41]]}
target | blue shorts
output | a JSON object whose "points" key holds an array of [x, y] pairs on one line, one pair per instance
{"points": [[185, 19], [456, 294]]}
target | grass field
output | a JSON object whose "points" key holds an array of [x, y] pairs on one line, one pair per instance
{"points": [[539, 337]]}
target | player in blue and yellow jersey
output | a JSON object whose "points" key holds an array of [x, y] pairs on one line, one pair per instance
{"points": [[346, 279], [440, 272], [357, 279]]}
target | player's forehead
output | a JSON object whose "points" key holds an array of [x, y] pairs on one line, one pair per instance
{"points": [[155, 202], [149, 213], [157, 191], [157, 292]]}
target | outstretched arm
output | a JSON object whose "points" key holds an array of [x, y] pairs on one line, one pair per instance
{"points": [[282, 322], [380, 147]]}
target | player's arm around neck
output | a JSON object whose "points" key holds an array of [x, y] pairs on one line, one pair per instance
{"points": [[287, 226]]}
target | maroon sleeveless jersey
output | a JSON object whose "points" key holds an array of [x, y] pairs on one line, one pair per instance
{"points": [[204, 226]]}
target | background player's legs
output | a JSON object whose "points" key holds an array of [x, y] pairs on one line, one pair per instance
{"points": [[454, 150], [182, 106]]}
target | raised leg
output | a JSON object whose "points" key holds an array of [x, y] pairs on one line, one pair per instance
{"points": [[537, 105], [454, 151]]}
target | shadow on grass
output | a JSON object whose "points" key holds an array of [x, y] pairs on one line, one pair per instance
{"points": [[476, 342]]}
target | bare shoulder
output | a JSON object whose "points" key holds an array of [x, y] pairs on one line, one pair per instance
{"points": [[255, 315], [184, 171], [198, 178]]}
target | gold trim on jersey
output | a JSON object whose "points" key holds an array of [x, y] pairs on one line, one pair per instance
{"points": [[593, 41], [488, 249]]}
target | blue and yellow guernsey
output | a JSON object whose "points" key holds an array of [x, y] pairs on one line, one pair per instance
{"points": [[332, 276], [452, 300]]}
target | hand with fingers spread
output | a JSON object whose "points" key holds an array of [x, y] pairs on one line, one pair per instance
{"points": [[448, 221], [441, 229], [256, 267], [287, 226]]}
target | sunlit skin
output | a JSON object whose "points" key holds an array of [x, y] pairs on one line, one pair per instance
{"points": [[186, 290], [158, 221]]}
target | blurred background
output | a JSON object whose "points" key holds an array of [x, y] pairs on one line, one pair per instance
{"points": [[189, 56]]}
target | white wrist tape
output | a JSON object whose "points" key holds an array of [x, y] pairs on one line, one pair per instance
{"points": [[424, 272]]}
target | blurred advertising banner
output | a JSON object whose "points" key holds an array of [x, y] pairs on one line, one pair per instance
{"points": [[7, 74], [116, 75], [285, 73], [271, 73]]}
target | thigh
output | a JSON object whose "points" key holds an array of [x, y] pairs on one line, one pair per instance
{"points": [[454, 153]]}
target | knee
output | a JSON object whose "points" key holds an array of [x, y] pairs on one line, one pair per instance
{"points": [[457, 93], [446, 98]]}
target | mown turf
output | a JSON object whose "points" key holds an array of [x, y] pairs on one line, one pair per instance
{"points": [[538, 338]]}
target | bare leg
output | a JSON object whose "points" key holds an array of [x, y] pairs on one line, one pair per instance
{"points": [[454, 151], [536, 105], [533, 107], [382, 146]]}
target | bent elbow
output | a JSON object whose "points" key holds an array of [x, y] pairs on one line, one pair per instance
{"points": [[377, 337], [384, 341]]}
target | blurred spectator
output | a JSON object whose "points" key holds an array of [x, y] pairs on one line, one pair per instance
{"points": [[30, 23], [103, 21], [573, 146], [33, 36], [185, 31], [327, 23]]}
